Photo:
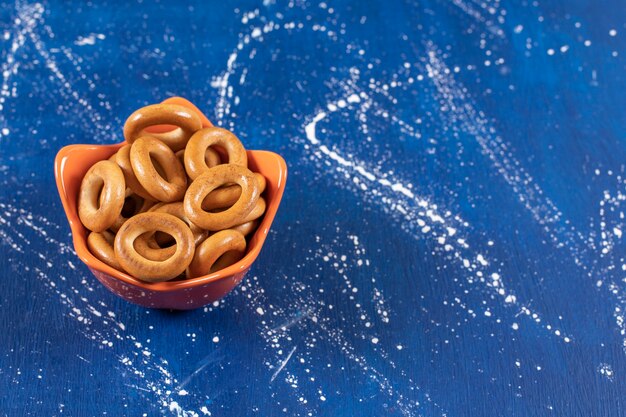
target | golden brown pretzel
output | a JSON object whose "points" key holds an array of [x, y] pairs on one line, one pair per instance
{"points": [[177, 209], [185, 120], [133, 204], [100, 244], [123, 160], [101, 196], [247, 227], [146, 269], [227, 259], [169, 188], [209, 181], [215, 246], [181, 156], [257, 211], [227, 195], [195, 162]]}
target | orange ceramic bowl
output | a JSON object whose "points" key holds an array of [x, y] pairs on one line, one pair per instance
{"points": [[71, 164]]}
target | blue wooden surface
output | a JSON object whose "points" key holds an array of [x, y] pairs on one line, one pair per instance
{"points": [[450, 241]]}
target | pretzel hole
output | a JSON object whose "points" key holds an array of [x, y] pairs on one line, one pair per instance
{"points": [[158, 239], [221, 152], [220, 155], [158, 167], [130, 206], [150, 241], [219, 210], [207, 199], [99, 195], [164, 240]]}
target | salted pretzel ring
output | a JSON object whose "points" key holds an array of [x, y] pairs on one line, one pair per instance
{"points": [[215, 246], [185, 120], [195, 163], [209, 181], [122, 157], [146, 269], [227, 196], [101, 196], [150, 245], [171, 186], [133, 204], [100, 244]]}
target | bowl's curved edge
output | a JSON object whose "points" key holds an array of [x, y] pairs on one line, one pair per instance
{"points": [[76, 227]]}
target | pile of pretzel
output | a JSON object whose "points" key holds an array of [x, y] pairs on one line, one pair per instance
{"points": [[173, 202]]}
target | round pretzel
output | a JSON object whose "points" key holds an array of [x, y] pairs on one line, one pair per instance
{"points": [[146, 269], [100, 244], [101, 196], [123, 160], [227, 196], [215, 246], [185, 121], [133, 204], [195, 162], [209, 181], [171, 186]]}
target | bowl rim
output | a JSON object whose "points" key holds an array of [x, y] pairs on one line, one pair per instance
{"points": [[92, 262]]}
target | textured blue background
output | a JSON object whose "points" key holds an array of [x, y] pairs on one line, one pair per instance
{"points": [[450, 241]]}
